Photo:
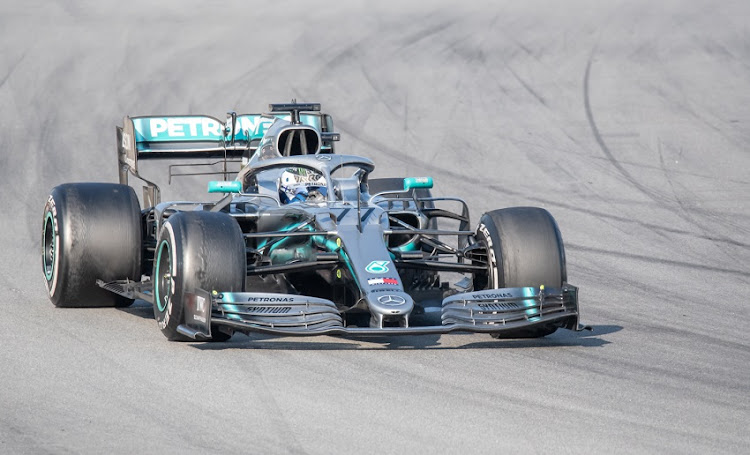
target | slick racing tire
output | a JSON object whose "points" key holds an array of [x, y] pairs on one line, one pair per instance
{"points": [[524, 249], [411, 278], [195, 250], [90, 231]]}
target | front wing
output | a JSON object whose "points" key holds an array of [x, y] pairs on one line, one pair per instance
{"points": [[494, 311]]}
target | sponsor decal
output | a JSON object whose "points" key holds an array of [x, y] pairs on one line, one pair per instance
{"points": [[168, 128], [371, 291], [270, 310], [198, 128], [323, 157], [377, 267], [269, 299], [500, 306], [490, 252], [391, 300], [492, 295], [376, 281], [203, 128], [200, 309], [126, 144]]}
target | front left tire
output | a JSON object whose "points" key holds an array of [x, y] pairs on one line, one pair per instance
{"points": [[203, 250]]}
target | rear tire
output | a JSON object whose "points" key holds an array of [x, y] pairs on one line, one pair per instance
{"points": [[90, 231], [524, 249], [195, 250]]}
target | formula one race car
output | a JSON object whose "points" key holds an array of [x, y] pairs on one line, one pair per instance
{"points": [[300, 242]]}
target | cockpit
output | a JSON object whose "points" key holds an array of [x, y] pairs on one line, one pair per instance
{"points": [[308, 178], [299, 184]]}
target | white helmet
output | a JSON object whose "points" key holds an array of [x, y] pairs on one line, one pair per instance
{"points": [[295, 184]]}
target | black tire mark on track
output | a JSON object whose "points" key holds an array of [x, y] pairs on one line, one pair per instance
{"points": [[381, 94], [600, 141], [277, 413], [653, 260], [622, 219], [668, 177], [385, 149], [11, 70], [686, 211], [424, 33], [624, 172], [528, 88]]}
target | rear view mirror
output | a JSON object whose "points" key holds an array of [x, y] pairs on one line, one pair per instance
{"points": [[417, 182], [218, 186]]}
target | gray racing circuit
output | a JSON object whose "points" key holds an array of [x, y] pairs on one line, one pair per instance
{"points": [[628, 121]]}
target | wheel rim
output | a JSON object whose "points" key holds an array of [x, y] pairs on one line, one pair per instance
{"points": [[487, 277], [481, 257], [163, 278], [49, 247]]}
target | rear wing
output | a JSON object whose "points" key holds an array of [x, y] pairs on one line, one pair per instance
{"points": [[202, 137]]}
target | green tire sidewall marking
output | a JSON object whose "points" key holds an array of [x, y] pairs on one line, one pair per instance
{"points": [[49, 271], [163, 246]]}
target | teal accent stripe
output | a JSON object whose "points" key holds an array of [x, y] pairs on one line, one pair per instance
{"points": [[49, 271], [283, 239], [417, 182], [157, 279], [202, 128], [218, 186], [333, 247]]}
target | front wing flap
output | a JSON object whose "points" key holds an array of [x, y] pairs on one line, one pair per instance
{"points": [[495, 308], [282, 311]]}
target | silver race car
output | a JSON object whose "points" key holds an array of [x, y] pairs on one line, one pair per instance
{"points": [[298, 241]]}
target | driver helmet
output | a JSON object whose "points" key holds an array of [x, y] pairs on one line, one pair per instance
{"points": [[299, 184]]}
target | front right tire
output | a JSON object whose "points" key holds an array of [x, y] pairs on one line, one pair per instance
{"points": [[524, 248]]}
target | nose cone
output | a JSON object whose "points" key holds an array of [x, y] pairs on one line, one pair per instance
{"points": [[390, 306]]}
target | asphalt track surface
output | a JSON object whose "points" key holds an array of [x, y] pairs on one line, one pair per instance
{"points": [[629, 121]]}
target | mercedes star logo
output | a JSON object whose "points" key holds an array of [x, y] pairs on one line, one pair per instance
{"points": [[391, 300], [323, 157]]}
